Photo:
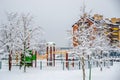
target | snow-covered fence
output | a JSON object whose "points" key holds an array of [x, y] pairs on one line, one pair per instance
{"points": [[61, 65], [76, 65]]}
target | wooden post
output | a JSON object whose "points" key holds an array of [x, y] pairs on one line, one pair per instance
{"points": [[35, 58], [32, 56], [73, 62], [54, 55], [47, 54], [66, 60]]}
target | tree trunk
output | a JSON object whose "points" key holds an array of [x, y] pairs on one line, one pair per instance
{"points": [[10, 62], [24, 63], [89, 64], [83, 68], [35, 58], [24, 67], [24, 56]]}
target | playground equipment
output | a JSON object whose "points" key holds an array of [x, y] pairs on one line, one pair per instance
{"points": [[29, 58], [26, 60], [50, 51]]}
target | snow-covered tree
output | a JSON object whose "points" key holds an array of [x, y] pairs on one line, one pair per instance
{"points": [[21, 34], [91, 35], [8, 33], [88, 38]]}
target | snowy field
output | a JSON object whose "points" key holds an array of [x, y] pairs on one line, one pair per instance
{"points": [[112, 73]]}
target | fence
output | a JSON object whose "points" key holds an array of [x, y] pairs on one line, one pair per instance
{"points": [[62, 65], [70, 65]]}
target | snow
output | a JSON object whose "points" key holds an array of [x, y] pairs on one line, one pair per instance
{"points": [[111, 73], [1, 50]]}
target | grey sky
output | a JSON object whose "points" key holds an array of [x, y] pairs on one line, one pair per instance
{"points": [[57, 16]]}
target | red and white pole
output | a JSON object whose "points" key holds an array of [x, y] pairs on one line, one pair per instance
{"points": [[51, 52]]}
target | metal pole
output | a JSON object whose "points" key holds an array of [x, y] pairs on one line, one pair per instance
{"points": [[97, 63], [89, 63], [63, 65], [68, 65], [40, 65], [104, 63], [79, 64], [0, 64], [89, 71]]}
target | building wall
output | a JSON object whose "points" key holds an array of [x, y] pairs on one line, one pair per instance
{"points": [[75, 29], [113, 28]]}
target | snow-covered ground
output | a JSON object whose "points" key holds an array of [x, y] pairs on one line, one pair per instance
{"points": [[112, 73]]}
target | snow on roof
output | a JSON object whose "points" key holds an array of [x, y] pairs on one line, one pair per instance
{"points": [[50, 42]]}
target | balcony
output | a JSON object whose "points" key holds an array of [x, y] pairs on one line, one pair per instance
{"points": [[115, 28], [115, 33]]}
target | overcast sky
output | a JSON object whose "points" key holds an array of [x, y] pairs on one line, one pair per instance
{"points": [[58, 16]]}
